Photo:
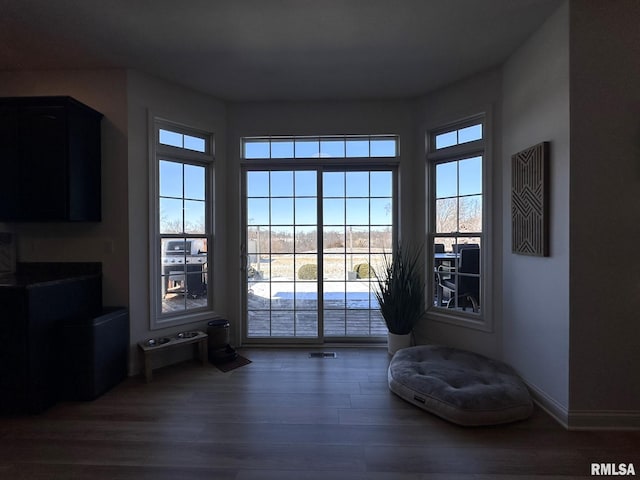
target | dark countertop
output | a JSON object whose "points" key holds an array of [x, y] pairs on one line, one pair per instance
{"points": [[41, 273]]}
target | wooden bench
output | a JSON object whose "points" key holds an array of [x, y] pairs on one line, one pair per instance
{"points": [[150, 348]]}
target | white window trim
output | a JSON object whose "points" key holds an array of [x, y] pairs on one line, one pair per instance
{"points": [[156, 319], [484, 320]]}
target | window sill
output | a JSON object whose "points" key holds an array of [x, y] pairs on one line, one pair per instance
{"points": [[196, 317], [460, 319]]}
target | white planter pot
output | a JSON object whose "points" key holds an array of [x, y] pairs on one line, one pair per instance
{"points": [[396, 342]]}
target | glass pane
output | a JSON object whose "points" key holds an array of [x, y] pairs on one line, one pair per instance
{"points": [[282, 184], [256, 149], [358, 241], [173, 139], [333, 184], [306, 323], [381, 238], [447, 179], [332, 148], [175, 250], [173, 301], [470, 171], [194, 143], [282, 323], [282, 211], [383, 147], [171, 220], [357, 148], [194, 182], [333, 240], [447, 215], [258, 322], [306, 211], [357, 211], [307, 148], [306, 183], [333, 211], [334, 266], [196, 287], [281, 148], [170, 179], [258, 184], [282, 240], [443, 244], [376, 262], [306, 239], [357, 184], [381, 211], [306, 295], [194, 212], [282, 268], [462, 242], [446, 139], [357, 322], [306, 267], [334, 323], [469, 134], [258, 211], [471, 214], [282, 299], [334, 295], [381, 184], [259, 270]]}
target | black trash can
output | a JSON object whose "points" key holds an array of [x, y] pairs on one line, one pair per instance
{"points": [[96, 353], [220, 351]]}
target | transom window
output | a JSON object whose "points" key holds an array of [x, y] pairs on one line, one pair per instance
{"points": [[365, 146], [457, 223], [182, 225]]}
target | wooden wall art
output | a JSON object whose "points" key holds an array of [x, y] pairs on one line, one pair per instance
{"points": [[530, 201]]}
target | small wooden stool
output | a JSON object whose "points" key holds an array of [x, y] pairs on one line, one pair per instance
{"points": [[149, 348]]}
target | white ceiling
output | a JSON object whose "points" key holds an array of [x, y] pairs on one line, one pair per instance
{"points": [[243, 50]]}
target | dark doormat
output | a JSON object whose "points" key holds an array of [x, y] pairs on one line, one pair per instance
{"points": [[238, 362]]}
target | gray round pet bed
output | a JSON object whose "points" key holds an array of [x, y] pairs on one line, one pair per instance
{"points": [[463, 387]]}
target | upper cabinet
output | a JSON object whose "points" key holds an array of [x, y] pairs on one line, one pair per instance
{"points": [[49, 160]]}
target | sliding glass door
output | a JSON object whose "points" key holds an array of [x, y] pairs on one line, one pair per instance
{"points": [[314, 238], [357, 231]]}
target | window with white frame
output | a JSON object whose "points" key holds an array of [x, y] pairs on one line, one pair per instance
{"points": [[182, 223], [319, 221], [457, 233]]}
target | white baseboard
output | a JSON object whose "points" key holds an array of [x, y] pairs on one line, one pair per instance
{"points": [[557, 411], [585, 419]]}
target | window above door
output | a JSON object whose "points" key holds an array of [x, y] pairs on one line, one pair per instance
{"points": [[325, 147]]}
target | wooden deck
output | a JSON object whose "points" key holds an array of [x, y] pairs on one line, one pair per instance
{"points": [[297, 320]]}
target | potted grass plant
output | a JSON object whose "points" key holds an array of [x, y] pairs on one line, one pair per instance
{"points": [[400, 294]]}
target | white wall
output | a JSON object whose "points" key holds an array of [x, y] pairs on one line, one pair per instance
{"points": [[175, 103], [472, 96], [105, 241], [605, 212], [315, 118], [535, 305]]}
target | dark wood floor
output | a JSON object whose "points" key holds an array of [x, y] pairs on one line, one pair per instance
{"points": [[288, 417]]}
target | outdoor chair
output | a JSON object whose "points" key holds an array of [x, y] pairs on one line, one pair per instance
{"points": [[462, 281]]}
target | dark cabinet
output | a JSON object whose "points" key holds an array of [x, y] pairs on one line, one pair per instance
{"points": [[34, 304], [50, 160]]}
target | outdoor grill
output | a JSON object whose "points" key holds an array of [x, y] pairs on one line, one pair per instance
{"points": [[185, 257]]}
